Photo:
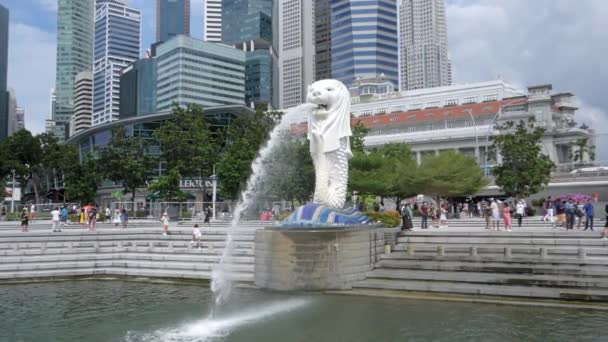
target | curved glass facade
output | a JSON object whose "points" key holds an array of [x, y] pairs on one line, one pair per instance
{"points": [[364, 40]]}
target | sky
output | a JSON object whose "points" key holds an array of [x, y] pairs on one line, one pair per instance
{"points": [[525, 42]]}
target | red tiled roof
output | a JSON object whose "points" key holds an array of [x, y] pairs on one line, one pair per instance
{"points": [[425, 115]]}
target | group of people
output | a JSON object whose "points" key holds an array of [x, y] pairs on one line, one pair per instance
{"points": [[566, 214], [437, 213], [496, 211]]}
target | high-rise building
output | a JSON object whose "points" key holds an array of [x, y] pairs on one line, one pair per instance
{"points": [[248, 25], [138, 89], [4, 97], [49, 123], [12, 112], [19, 123], [423, 45], [364, 38], [212, 20], [74, 54], [172, 18], [83, 103], [117, 45], [322, 15], [293, 51], [191, 71]]}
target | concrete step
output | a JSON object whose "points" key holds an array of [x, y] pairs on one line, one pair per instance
{"points": [[498, 250], [484, 289], [501, 240], [492, 278], [177, 250], [196, 257], [592, 270]]}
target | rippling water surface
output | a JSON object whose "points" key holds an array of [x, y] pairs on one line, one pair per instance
{"points": [[129, 311]]}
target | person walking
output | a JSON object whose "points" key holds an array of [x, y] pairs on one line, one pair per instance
{"points": [[519, 211], [443, 215], [165, 220], [588, 207], [506, 215], [64, 216], [33, 212], [25, 219], [124, 218], [55, 218], [196, 236], [208, 216], [424, 215], [486, 211], [570, 207], [116, 218]]}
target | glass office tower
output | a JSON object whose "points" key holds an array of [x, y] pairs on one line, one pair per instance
{"points": [[172, 18]]}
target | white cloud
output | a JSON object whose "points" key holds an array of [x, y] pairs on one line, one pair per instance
{"points": [[31, 72], [528, 42], [49, 5]]}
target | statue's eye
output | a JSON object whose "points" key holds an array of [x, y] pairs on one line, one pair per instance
{"points": [[330, 89]]}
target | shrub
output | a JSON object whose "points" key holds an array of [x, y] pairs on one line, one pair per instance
{"points": [[284, 215], [389, 218]]}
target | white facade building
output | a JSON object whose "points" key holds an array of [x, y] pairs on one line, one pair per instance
{"points": [[212, 21], [83, 103], [117, 45], [293, 51], [423, 45]]}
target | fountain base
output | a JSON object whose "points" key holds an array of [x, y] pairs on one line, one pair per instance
{"points": [[315, 259], [314, 215]]}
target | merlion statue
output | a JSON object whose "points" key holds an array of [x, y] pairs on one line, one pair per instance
{"points": [[329, 133]]}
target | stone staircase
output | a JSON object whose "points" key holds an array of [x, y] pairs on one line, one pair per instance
{"points": [[142, 252], [550, 265]]}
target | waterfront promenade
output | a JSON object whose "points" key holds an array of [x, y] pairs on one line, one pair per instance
{"points": [[533, 261]]}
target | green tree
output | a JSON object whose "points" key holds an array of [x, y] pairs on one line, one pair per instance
{"points": [[358, 139], [82, 178], [244, 138], [126, 160], [388, 172], [449, 174], [525, 170], [582, 147], [168, 186], [187, 144]]}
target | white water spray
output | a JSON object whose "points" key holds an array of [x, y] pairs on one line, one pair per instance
{"points": [[222, 277]]}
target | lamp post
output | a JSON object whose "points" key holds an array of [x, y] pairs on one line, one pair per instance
{"points": [[214, 193], [490, 129], [13, 193]]}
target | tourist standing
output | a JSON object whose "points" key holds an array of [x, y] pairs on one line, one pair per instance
{"points": [[33, 212], [495, 214], [93, 218], [165, 220], [487, 214], [506, 215], [580, 214], [606, 224], [588, 215], [3, 213], [108, 215], [25, 218], [519, 211], [55, 217], [549, 207], [443, 215], [569, 207], [124, 218], [424, 215], [116, 218], [208, 215]]}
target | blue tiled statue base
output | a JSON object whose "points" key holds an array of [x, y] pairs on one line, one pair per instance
{"points": [[313, 215]]}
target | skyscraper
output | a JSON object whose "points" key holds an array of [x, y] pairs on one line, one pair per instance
{"points": [[322, 15], [293, 51], [248, 25], [423, 45], [364, 40], [172, 18], [117, 44], [191, 71], [138, 88], [74, 54], [83, 103], [212, 21], [4, 97]]}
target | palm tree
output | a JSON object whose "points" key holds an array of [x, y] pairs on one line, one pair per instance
{"points": [[580, 148]]}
